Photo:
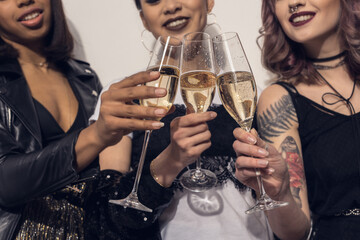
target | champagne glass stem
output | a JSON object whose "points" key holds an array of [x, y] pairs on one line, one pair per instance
{"points": [[132, 199], [198, 174], [260, 183], [264, 202], [141, 162]]}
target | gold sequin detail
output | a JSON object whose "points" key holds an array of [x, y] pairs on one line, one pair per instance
{"points": [[58, 216]]}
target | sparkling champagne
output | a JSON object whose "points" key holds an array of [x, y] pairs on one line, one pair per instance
{"points": [[168, 79], [238, 95], [197, 90]]}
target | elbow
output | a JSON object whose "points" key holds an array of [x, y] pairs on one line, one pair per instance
{"points": [[302, 235], [7, 201], [11, 193]]}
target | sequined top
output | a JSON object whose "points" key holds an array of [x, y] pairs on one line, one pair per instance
{"points": [[56, 216], [106, 221]]}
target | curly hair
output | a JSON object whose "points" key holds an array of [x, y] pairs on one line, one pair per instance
{"points": [[287, 59], [59, 42]]}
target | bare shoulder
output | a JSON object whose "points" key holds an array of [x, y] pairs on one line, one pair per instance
{"points": [[270, 95], [276, 114]]}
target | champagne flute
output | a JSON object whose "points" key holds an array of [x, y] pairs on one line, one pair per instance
{"points": [[197, 84], [165, 59], [237, 90]]}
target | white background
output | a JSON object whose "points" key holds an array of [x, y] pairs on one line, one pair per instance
{"points": [[107, 34]]}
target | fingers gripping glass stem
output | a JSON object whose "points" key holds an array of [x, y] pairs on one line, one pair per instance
{"points": [[237, 89], [197, 83], [264, 202], [165, 59]]}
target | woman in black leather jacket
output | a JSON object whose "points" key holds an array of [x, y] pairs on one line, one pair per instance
{"points": [[49, 178]]}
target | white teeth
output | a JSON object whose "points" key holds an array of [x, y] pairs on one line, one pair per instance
{"points": [[31, 16], [301, 18], [176, 23]]}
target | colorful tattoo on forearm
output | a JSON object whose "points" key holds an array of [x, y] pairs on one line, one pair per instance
{"points": [[291, 154]]}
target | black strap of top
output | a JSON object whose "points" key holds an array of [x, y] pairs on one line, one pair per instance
{"points": [[288, 86]]}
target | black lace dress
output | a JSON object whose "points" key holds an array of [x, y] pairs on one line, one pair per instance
{"points": [[331, 152]]}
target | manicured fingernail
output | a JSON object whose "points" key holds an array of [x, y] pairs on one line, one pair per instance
{"points": [[251, 139], [263, 163], [160, 91], [160, 111], [154, 74], [263, 152], [213, 114], [270, 171], [158, 124]]}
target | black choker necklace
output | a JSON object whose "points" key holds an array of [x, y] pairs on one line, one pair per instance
{"points": [[328, 59]]}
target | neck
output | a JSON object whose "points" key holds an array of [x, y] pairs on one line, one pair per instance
{"points": [[324, 46], [29, 54]]}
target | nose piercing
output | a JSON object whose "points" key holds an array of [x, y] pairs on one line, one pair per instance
{"points": [[293, 9]]}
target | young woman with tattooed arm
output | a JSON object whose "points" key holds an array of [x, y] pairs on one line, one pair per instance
{"points": [[283, 180], [308, 120]]}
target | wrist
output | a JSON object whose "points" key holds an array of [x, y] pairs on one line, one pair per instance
{"points": [[164, 169], [93, 136], [156, 177]]}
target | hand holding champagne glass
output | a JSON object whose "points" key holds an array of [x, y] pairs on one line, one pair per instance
{"points": [[197, 84], [237, 89], [165, 59]]}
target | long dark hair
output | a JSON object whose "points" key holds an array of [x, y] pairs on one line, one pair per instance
{"points": [[59, 42], [287, 58], [138, 4]]}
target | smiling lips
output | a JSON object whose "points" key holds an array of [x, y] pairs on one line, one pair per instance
{"points": [[32, 18], [176, 23], [301, 18]]}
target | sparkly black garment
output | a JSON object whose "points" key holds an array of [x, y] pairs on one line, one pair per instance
{"points": [[330, 147], [219, 158], [56, 216], [106, 221]]}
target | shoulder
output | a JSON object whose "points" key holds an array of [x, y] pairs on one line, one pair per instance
{"points": [[83, 71], [276, 116], [276, 105], [81, 66], [81, 62], [271, 95]]}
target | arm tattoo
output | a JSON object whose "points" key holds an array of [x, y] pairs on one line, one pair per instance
{"points": [[278, 118], [290, 152]]}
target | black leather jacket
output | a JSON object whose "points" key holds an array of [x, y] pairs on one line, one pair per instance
{"points": [[27, 170]]}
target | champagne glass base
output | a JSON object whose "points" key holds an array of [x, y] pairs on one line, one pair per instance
{"points": [[131, 201], [196, 180], [265, 203]]}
